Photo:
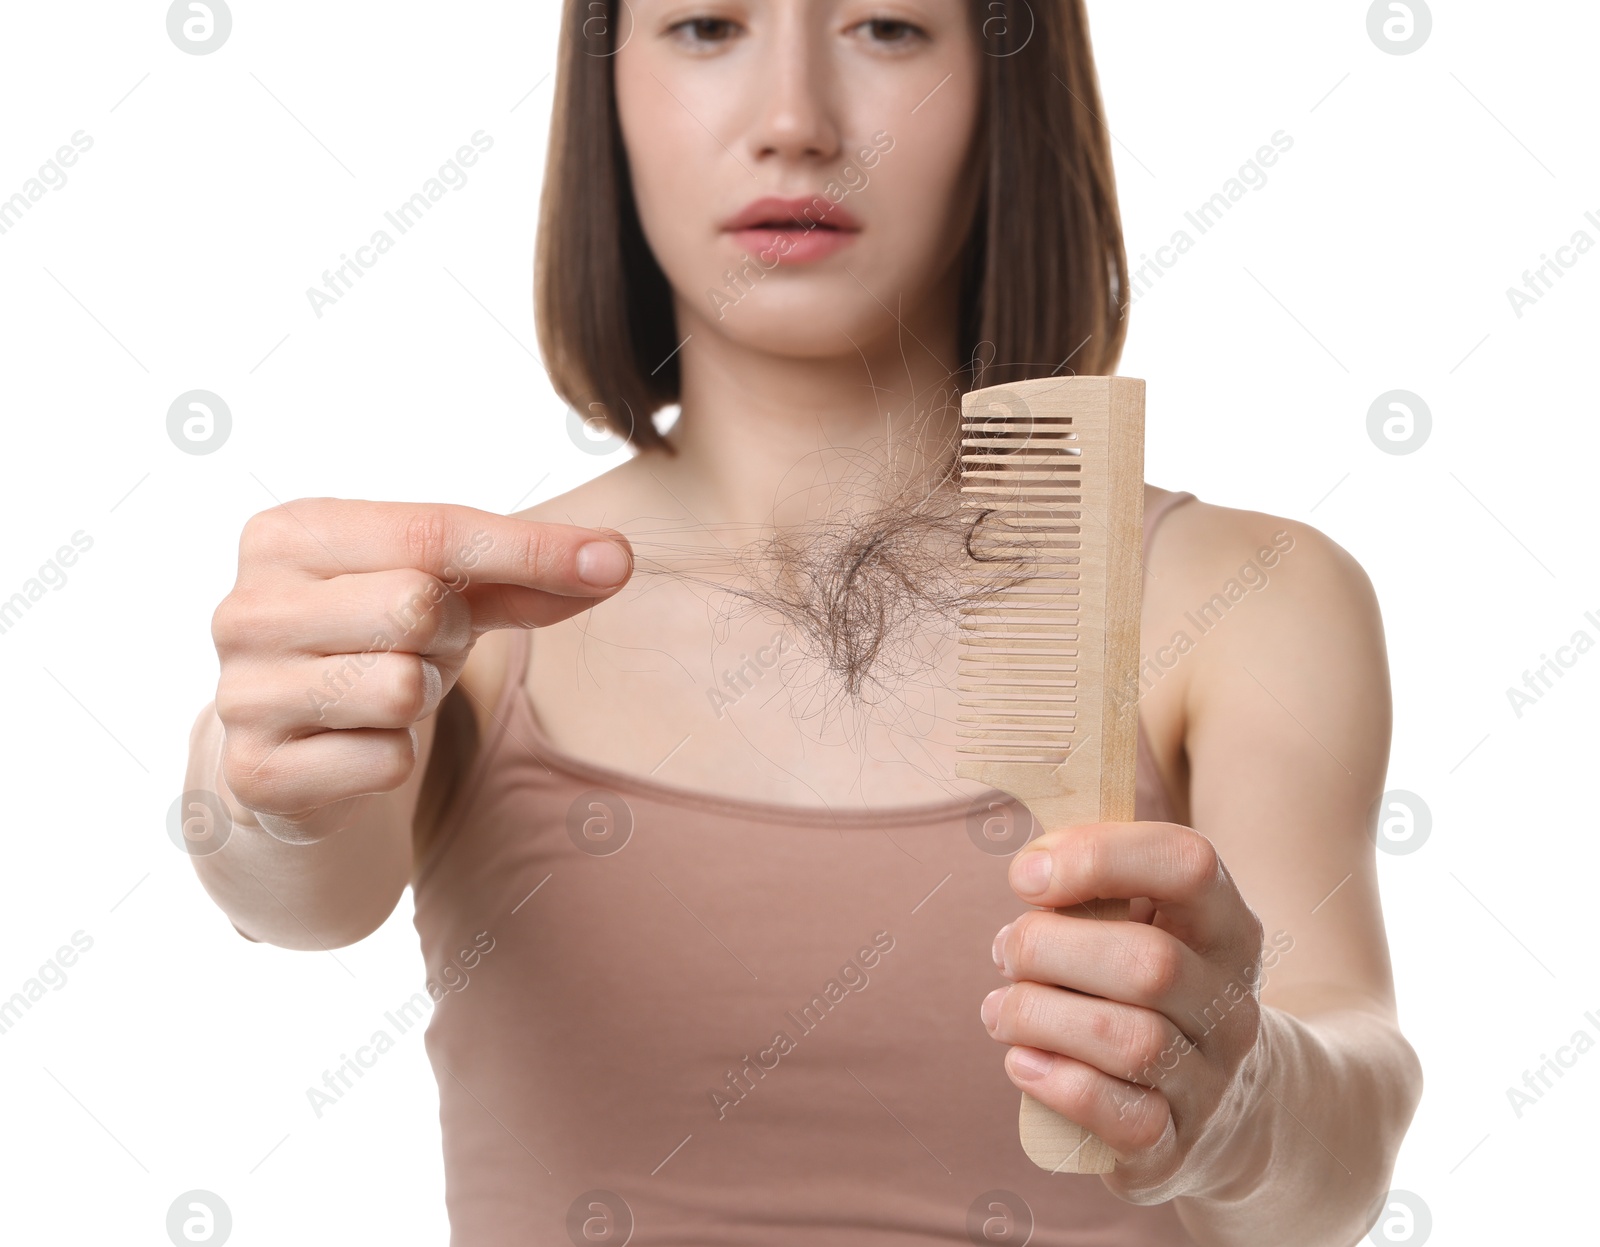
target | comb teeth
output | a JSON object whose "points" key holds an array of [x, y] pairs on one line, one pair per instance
{"points": [[1035, 474], [1020, 641]]}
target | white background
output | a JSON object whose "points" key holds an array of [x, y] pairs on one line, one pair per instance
{"points": [[219, 187]]}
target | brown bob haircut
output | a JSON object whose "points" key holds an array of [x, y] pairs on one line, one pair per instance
{"points": [[1044, 271]]}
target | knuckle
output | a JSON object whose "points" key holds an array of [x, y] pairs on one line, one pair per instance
{"points": [[1256, 932], [404, 688], [1141, 1043], [1078, 1091], [1027, 939], [395, 757], [1197, 860], [1126, 1100], [232, 623], [1022, 1010], [224, 623], [415, 607], [1156, 970], [246, 768], [235, 700], [268, 534], [1130, 1036], [1091, 862], [535, 552], [1147, 1122], [426, 538], [341, 675], [1106, 1028]]}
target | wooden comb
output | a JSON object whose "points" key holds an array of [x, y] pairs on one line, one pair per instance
{"points": [[1053, 469]]}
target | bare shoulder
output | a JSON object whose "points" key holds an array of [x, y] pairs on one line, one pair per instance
{"points": [[1202, 546], [1272, 607]]}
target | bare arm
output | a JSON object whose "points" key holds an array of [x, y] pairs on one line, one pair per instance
{"points": [[1288, 738]]}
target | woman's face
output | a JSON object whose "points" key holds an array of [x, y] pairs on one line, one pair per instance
{"points": [[861, 113]]}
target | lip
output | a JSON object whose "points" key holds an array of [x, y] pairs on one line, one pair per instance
{"points": [[791, 246], [789, 214], [794, 230]]}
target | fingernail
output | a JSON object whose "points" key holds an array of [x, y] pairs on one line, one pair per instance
{"points": [[1033, 872], [432, 684], [602, 564], [999, 946], [989, 1011], [1029, 1063]]}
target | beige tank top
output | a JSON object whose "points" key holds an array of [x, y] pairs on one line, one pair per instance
{"points": [[670, 1019]]}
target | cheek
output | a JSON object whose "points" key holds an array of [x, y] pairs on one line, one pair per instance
{"points": [[670, 172], [927, 182]]}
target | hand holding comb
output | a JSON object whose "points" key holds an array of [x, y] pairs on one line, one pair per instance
{"points": [[1053, 472]]}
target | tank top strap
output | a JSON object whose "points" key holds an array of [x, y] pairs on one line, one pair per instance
{"points": [[1154, 515], [516, 670], [506, 700], [465, 796], [1154, 802]]}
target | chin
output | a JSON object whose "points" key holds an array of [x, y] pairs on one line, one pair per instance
{"points": [[807, 328]]}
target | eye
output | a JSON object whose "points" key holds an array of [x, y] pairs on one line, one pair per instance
{"points": [[892, 32], [701, 32]]}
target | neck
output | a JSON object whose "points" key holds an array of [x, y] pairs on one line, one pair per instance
{"points": [[768, 441]]}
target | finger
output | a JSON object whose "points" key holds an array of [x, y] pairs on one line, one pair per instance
{"points": [[1129, 962], [339, 691], [302, 774], [1133, 1044], [398, 609], [317, 825], [459, 545], [1175, 867], [1130, 1118], [511, 606]]}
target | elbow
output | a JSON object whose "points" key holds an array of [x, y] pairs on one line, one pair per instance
{"points": [[1408, 1088], [283, 929], [297, 937], [1400, 1094], [1412, 1073], [1403, 1073]]}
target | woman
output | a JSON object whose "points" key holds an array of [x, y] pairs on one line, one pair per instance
{"points": [[703, 909]]}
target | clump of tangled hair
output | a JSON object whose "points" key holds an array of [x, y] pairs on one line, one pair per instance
{"points": [[869, 591]]}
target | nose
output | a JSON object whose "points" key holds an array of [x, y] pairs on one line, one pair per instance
{"points": [[793, 110]]}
